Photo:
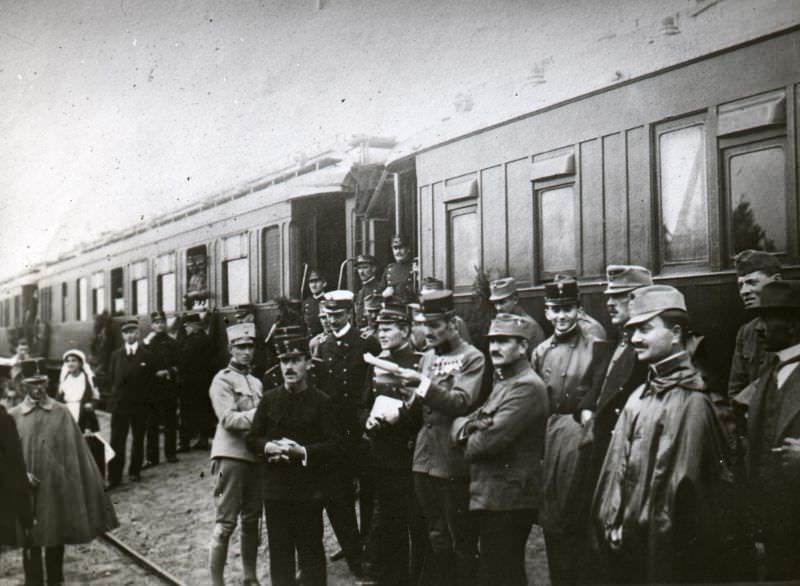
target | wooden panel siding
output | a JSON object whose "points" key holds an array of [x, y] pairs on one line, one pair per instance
{"points": [[520, 221], [615, 199], [591, 220], [493, 206], [639, 187]]}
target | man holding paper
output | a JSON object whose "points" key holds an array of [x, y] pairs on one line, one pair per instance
{"points": [[392, 429]]}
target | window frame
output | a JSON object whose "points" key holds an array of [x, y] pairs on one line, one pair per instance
{"points": [[551, 184], [454, 209], [81, 305], [224, 260], [265, 277], [705, 122]]}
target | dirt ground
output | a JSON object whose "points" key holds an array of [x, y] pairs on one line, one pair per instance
{"points": [[168, 518]]}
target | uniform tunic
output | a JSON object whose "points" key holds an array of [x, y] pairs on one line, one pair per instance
{"points": [[372, 287], [235, 394], [749, 356], [400, 276], [311, 314]]}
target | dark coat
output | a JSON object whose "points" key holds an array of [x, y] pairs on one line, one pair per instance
{"points": [[15, 504], [196, 364], [308, 419], [311, 315], [400, 276], [749, 356], [341, 374], [131, 379], [166, 356], [374, 287]]}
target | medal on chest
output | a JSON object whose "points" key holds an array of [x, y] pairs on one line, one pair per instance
{"points": [[445, 365]]}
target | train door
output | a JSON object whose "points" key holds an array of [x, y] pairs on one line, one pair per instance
{"points": [[319, 227]]}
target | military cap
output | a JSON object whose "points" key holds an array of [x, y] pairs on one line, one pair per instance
{"points": [[435, 305], [373, 303], [508, 324], [749, 261], [338, 301], [399, 240], [244, 333], [626, 278], [365, 259], [191, 318], [652, 300], [315, 275], [129, 324], [502, 288], [432, 284], [156, 315], [563, 291], [31, 374], [287, 346], [393, 311], [781, 294]]}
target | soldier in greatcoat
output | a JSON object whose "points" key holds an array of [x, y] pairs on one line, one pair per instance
{"points": [[391, 429], [296, 432], [164, 394], [446, 386], [504, 442], [341, 372]]}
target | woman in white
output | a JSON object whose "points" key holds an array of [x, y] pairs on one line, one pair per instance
{"points": [[78, 392]]}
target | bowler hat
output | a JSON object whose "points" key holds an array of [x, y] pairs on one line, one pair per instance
{"points": [[435, 305], [338, 301], [129, 324], [365, 259], [781, 294], [648, 302], [626, 278], [509, 324], [243, 333], [502, 288], [749, 261]]}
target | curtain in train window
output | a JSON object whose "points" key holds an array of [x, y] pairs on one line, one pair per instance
{"points": [[98, 293], [756, 183], [464, 241], [82, 299], [558, 230], [682, 183], [271, 257]]}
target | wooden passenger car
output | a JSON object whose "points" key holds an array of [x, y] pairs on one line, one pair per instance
{"points": [[676, 170]]}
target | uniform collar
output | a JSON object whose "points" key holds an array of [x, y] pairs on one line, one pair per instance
{"points": [[240, 368], [510, 370], [570, 337], [372, 278], [789, 353], [674, 371], [343, 332], [318, 297], [29, 404], [132, 347]]}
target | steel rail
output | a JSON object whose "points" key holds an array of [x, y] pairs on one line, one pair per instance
{"points": [[141, 560]]}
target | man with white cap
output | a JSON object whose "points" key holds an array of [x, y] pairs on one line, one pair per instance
{"points": [[504, 296], [235, 394], [658, 507]]}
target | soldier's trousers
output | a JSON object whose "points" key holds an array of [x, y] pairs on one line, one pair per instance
{"points": [[341, 511], [503, 537], [53, 563], [164, 413], [453, 556], [295, 526]]}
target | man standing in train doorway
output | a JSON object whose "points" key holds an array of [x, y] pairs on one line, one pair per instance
{"points": [[311, 304], [755, 269], [398, 278], [447, 386], [197, 370], [367, 268], [341, 373], [164, 399], [504, 296]]}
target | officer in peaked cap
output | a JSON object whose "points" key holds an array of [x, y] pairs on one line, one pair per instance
{"points": [[391, 428], [371, 285], [503, 293], [503, 447], [311, 304], [297, 435], [398, 278], [774, 432], [447, 385], [754, 269], [372, 306], [235, 393], [341, 372], [586, 321], [562, 361], [164, 393]]}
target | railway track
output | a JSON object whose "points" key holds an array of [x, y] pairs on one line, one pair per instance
{"points": [[147, 564]]}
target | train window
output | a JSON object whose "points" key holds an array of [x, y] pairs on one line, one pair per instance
{"points": [[139, 288], [64, 293], [196, 274], [82, 300], [17, 310], [98, 293], [166, 283], [681, 169], [45, 303], [235, 271], [557, 229], [117, 291], [271, 257], [359, 234], [463, 244]]}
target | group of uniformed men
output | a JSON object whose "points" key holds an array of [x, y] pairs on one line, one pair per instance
{"points": [[635, 465]]}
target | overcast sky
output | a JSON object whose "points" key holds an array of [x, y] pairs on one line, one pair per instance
{"points": [[117, 110]]}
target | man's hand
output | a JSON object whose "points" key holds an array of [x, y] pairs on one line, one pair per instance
{"points": [[586, 415], [790, 454], [163, 374], [273, 449], [33, 482], [614, 537], [295, 452], [409, 376], [374, 423], [478, 424]]}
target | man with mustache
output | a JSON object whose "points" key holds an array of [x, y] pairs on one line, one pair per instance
{"points": [[447, 386], [562, 361], [366, 267], [391, 429], [398, 278], [506, 300], [774, 433], [504, 442], [658, 506], [755, 269], [296, 432]]}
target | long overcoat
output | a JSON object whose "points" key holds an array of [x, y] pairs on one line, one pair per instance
{"points": [[15, 504]]}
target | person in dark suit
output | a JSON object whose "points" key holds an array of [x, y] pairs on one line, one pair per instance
{"points": [[341, 373], [132, 375], [196, 368], [310, 308], [164, 395], [296, 432], [774, 434]]}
